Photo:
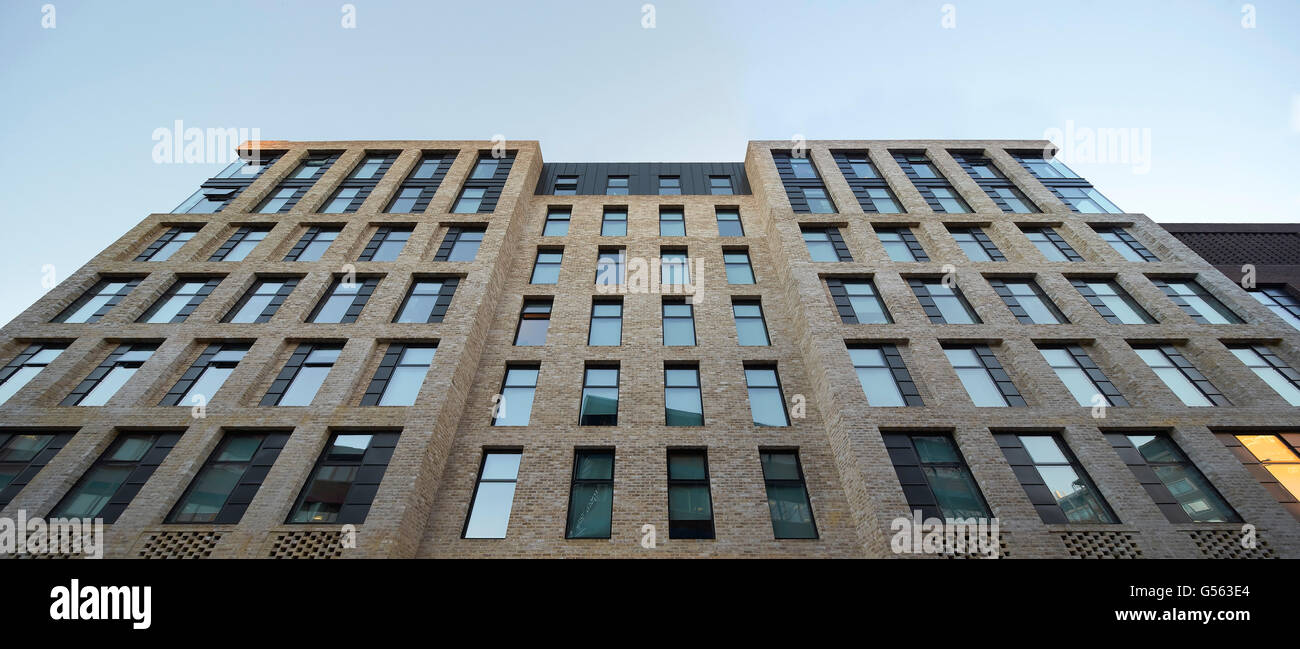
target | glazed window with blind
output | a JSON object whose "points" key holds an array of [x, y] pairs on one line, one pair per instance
{"points": [[262, 300], [766, 400], [344, 301], [591, 495], [400, 374], [934, 476], [23, 453], [99, 300], [1280, 302], [599, 405], [938, 193], [729, 224], [978, 369], [611, 267], [1112, 302], [857, 301], [180, 300], [736, 263], [345, 479], [977, 245], [206, 375], [294, 186], [494, 495], [387, 243], [25, 366], [109, 486], [1027, 301], [104, 381], [751, 328], [900, 244], [1197, 302], [825, 244], [515, 407], [1081, 376], [997, 186], [1270, 368], [1124, 243], [803, 186], [1178, 488], [943, 304], [534, 322], [1075, 192], [546, 268], [613, 222], [242, 242], [683, 405], [230, 479], [690, 505], [314, 242], [787, 495], [557, 222], [606, 328], [427, 300], [678, 323], [302, 375], [869, 187], [1273, 458], [422, 183], [1048, 242], [483, 187], [1057, 486], [883, 375], [1180, 376], [168, 243], [460, 244], [358, 185]]}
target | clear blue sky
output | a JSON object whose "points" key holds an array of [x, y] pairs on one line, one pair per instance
{"points": [[82, 100]]}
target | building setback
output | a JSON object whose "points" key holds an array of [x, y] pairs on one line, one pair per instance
{"points": [[451, 349]]}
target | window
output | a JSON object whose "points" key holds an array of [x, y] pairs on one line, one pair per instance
{"points": [[1074, 191], [858, 302], [1273, 370], [987, 384], [399, 376], [943, 304], [460, 244], [606, 323], [976, 244], [1277, 458], [935, 477], [766, 401], [616, 186], [343, 200], [313, 244], [281, 200], [546, 269], [825, 244], [690, 507], [22, 456], [485, 169], [494, 496], [881, 199], [1197, 302], [108, 487], [1044, 168], [23, 368], [803, 168], [262, 300], [611, 267], [614, 222], [901, 245], [484, 185], [210, 199], [179, 301], [534, 321], [199, 384], [557, 222], [989, 178], [1178, 374], [1112, 302], [1085, 200], [946, 199], [1280, 302], [1027, 301], [98, 301], [1011, 200], [345, 479], [302, 375], [1053, 247], [729, 222], [471, 199], [674, 267], [242, 242], [683, 405], [599, 397], [566, 185], [787, 496], [591, 496], [871, 190], [422, 183], [672, 222], [1124, 243], [670, 185], [803, 187], [737, 266], [679, 323], [516, 404], [720, 186], [104, 381], [1178, 488], [313, 167], [166, 245], [427, 300], [1081, 376], [344, 301], [884, 378], [1055, 482], [387, 243], [229, 480], [751, 329], [859, 165], [817, 201]]}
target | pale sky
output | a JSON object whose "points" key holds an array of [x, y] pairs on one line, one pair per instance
{"points": [[1214, 103]]}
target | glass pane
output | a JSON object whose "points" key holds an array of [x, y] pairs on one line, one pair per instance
{"points": [[751, 332], [879, 386], [980, 386], [791, 515], [207, 385], [590, 511], [22, 448], [1195, 494], [490, 515], [108, 386], [211, 490], [240, 448], [595, 466], [96, 489], [403, 386], [780, 466], [1043, 449], [303, 388], [689, 503], [1074, 496], [515, 407], [683, 407], [955, 490], [501, 466], [935, 449], [324, 496], [532, 331], [686, 466], [605, 331], [17, 380], [767, 407]]}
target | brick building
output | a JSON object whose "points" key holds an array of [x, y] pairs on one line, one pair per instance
{"points": [[446, 349]]}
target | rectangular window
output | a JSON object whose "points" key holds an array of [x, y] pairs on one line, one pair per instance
{"points": [[679, 323], [471, 199], [242, 242], [399, 376], [591, 495], [515, 407], [1112, 302], [1261, 360], [599, 396], [825, 244], [883, 375], [1011, 199], [614, 222], [427, 300], [302, 375], [557, 222], [98, 301], [803, 187], [1055, 482], [683, 405], [483, 187], [881, 200], [943, 304], [1027, 302], [720, 185], [1197, 302], [344, 301], [534, 321], [871, 190], [901, 245], [1051, 244], [1180, 376], [1280, 302], [24, 367], [606, 323], [354, 189], [485, 168], [1072, 190], [817, 201], [616, 186], [987, 384], [199, 384], [690, 506], [670, 185], [935, 477], [674, 267], [387, 243], [229, 480], [1081, 376], [313, 244], [342, 200], [751, 329], [168, 243], [1085, 200], [766, 401], [566, 185], [1125, 244], [729, 222], [104, 381], [460, 244], [1178, 488], [211, 199], [180, 300], [787, 495], [857, 301], [945, 199], [737, 266], [112, 482], [494, 496], [345, 479], [422, 183], [282, 200], [1273, 460], [294, 186], [672, 222], [977, 245], [22, 456], [802, 167], [546, 269], [611, 267]]}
